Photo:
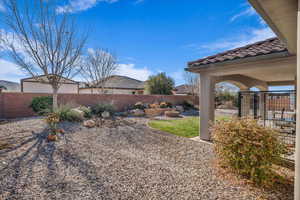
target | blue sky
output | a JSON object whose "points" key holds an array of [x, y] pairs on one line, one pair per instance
{"points": [[151, 36]]}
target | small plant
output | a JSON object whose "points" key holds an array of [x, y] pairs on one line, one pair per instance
{"points": [[165, 105], [87, 111], [62, 111], [41, 105], [187, 105], [66, 113], [98, 109], [248, 148], [154, 105], [74, 116], [139, 105], [53, 120]]}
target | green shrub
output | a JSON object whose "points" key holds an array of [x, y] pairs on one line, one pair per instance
{"points": [[248, 148], [42, 105], [63, 111], [139, 105], [187, 105], [165, 105], [98, 109], [73, 116], [66, 113], [87, 111]]}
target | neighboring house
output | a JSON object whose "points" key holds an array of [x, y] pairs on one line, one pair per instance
{"points": [[115, 85], [184, 90], [9, 86], [41, 84]]}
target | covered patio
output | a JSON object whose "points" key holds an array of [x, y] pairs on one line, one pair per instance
{"points": [[273, 62], [260, 65]]}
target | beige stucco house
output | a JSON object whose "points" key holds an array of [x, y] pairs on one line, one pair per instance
{"points": [[272, 62], [40, 85], [115, 85]]}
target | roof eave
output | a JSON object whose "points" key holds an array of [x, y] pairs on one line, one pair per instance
{"points": [[197, 68]]}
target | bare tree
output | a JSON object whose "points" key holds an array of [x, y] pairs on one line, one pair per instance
{"points": [[97, 67], [192, 83], [43, 42]]}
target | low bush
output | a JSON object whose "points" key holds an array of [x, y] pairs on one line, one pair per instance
{"points": [[87, 111], [165, 105], [74, 116], [139, 105], [66, 113], [187, 105], [42, 105], [248, 148], [98, 109]]}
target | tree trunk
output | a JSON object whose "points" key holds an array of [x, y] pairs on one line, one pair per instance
{"points": [[55, 104]]}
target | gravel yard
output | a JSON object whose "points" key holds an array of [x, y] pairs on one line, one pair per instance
{"points": [[124, 160]]}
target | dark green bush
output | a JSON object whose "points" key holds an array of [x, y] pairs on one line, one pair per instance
{"points": [[139, 105], [98, 109], [187, 105], [248, 148], [42, 105], [165, 105]]}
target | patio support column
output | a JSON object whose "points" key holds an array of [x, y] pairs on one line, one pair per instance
{"points": [[297, 156], [207, 105]]}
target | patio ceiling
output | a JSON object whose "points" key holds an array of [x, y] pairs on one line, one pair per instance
{"points": [[281, 16]]}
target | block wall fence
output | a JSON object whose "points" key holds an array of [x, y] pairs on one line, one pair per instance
{"points": [[15, 105]]}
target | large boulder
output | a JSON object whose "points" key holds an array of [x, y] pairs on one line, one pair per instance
{"points": [[89, 123], [172, 113], [105, 115]]}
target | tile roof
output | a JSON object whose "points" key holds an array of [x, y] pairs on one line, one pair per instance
{"points": [[269, 46], [183, 89], [122, 82]]}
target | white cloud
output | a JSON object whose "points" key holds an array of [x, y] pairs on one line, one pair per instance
{"points": [[2, 8], [249, 11], [132, 71], [9, 71], [80, 5], [252, 36]]}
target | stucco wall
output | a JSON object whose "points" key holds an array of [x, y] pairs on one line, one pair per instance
{"points": [[14, 105], [34, 87]]}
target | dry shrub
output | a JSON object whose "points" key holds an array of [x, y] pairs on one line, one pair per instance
{"points": [[248, 149]]}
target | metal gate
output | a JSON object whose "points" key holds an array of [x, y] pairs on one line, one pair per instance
{"points": [[275, 109]]}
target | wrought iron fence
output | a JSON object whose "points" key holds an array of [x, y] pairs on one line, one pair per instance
{"points": [[275, 109]]}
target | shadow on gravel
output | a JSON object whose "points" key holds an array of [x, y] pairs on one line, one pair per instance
{"points": [[46, 164]]}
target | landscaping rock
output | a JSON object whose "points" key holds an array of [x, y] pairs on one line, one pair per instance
{"points": [[138, 113], [153, 112], [89, 123], [172, 113], [179, 109], [105, 115]]}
